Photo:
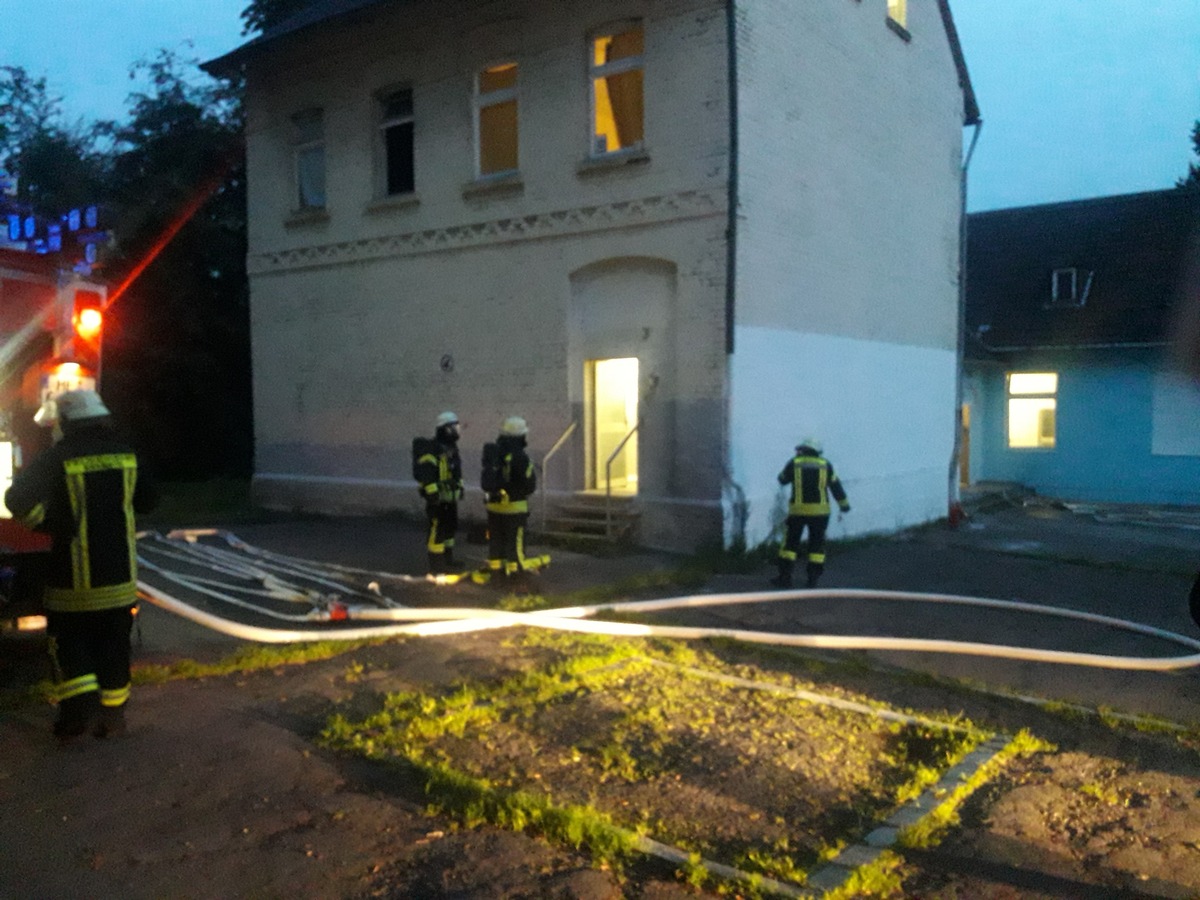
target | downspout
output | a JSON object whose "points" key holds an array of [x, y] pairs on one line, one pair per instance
{"points": [[738, 507], [732, 175], [954, 507]]}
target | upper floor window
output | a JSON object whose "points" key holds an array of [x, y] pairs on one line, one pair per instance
{"points": [[1069, 287], [308, 150], [1032, 406], [496, 119], [615, 69], [396, 136], [898, 11]]}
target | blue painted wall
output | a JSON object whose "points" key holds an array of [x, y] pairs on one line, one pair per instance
{"points": [[1103, 431]]}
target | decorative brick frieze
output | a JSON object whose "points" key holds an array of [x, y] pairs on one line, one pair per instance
{"points": [[622, 214]]}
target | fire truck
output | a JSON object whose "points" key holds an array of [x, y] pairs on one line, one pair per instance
{"points": [[51, 324]]}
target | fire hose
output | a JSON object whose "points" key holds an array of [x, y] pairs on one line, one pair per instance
{"points": [[252, 572]]}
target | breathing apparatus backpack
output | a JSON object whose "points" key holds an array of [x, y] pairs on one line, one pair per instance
{"points": [[422, 446], [491, 478]]}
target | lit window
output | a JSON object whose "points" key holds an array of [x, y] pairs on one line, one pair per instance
{"points": [[309, 156], [1031, 408], [396, 136], [616, 76], [496, 119], [898, 11]]}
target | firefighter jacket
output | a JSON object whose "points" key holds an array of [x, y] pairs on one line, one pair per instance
{"points": [[812, 480], [439, 472], [517, 477], [83, 492]]}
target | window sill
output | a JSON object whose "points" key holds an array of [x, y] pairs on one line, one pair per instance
{"points": [[610, 161], [904, 33], [301, 218], [494, 185], [392, 203]]}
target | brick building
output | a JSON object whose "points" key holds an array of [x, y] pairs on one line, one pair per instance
{"points": [[703, 228]]}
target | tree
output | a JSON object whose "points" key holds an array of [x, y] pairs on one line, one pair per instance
{"points": [[263, 14], [177, 340], [58, 167], [1192, 180]]}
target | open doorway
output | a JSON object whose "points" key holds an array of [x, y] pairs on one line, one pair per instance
{"points": [[612, 415]]}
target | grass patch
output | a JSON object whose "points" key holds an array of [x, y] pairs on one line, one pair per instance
{"points": [[603, 743], [252, 658]]}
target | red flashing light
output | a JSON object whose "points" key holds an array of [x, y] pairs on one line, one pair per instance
{"points": [[88, 321]]}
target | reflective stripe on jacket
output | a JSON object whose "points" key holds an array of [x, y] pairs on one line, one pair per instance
{"points": [[440, 475], [812, 479], [83, 491]]}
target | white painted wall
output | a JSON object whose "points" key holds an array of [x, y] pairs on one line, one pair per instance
{"points": [[866, 401], [847, 255]]}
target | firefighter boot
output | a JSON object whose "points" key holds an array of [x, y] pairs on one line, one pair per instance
{"points": [[448, 559], [814, 574], [111, 722], [784, 579], [76, 716]]}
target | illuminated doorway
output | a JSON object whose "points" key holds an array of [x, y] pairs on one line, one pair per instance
{"points": [[613, 413]]}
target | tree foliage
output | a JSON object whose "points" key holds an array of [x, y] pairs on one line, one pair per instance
{"points": [[58, 166], [178, 349], [263, 14], [1192, 179]]}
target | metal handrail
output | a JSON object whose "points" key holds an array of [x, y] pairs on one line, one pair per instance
{"points": [[608, 478], [545, 460]]}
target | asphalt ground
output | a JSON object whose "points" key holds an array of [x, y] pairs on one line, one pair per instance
{"points": [[1128, 563]]}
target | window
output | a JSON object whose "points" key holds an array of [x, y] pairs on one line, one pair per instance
{"points": [[1031, 409], [616, 75], [309, 155], [496, 119], [1065, 287], [396, 137], [898, 11]]}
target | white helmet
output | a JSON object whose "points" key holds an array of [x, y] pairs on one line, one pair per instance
{"points": [[74, 406], [811, 443], [514, 426], [447, 418]]}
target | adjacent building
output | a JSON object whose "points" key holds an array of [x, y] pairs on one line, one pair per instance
{"points": [[675, 235], [1072, 387]]}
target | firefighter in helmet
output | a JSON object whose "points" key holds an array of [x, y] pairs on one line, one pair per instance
{"points": [[508, 479], [84, 492], [437, 468], [812, 480]]}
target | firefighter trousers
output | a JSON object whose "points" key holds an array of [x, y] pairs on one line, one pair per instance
{"points": [[506, 545], [443, 526], [90, 655], [790, 550]]}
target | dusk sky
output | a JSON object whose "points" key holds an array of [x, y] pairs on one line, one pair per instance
{"points": [[1080, 98]]}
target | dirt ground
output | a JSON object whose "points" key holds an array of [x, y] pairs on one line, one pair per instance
{"points": [[221, 789]]}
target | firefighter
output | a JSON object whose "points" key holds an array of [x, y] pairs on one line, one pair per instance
{"points": [[812, 479], [508, 479], [437, 468], [83, 491]]}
